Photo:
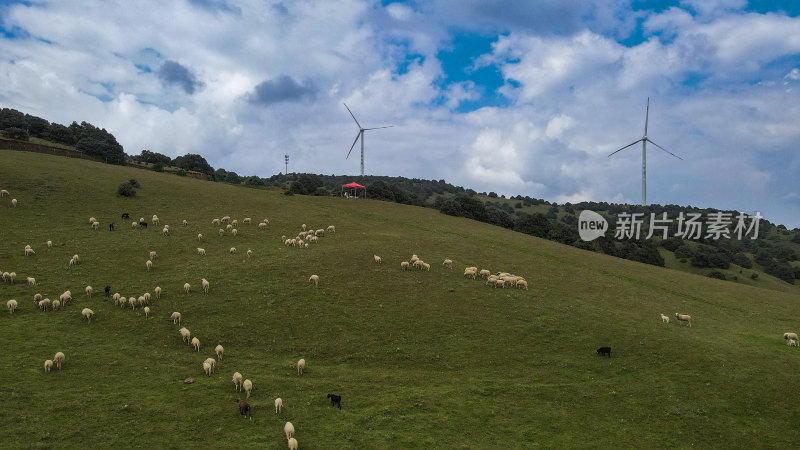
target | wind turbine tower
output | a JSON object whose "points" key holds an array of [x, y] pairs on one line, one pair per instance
{"points": [[644, 140], [360, 135]]}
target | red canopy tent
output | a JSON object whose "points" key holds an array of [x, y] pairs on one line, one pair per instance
{"points": [[352, 190]]}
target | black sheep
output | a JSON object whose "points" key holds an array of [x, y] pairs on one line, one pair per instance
{"points": [[143, 224], [126, 216], [335, 400], [604, 351], [108, 290], [111, 226], [244, 407]]}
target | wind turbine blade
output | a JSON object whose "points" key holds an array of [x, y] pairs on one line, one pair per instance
{"points": [[351, 115], [623, 148], [354, 144], [378, 128], [646, 116], [662, 148]]}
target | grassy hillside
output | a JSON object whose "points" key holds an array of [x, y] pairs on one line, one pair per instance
{"points": [[421, 359]]}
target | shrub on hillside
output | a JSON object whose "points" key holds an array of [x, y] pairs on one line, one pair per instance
{"points": [[684, 251], [741, 260], [134, 183], [157, 167], [126, 190], [672, 244], [717, 275], [15, 133], [754, 276], [180, 173]]}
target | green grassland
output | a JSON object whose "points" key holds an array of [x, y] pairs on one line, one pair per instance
{"points": [[421, 359]]}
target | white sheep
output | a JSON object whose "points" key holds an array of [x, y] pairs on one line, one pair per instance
{"points": [[185, 335], [246, 220], [89, 291], [146, 297], [684, 318], [215, 222], [278, 405], [175, 317], [469, 273], [233, 250], [134, 224], [141, 300], [664, 318], [12, 276], [247, 386], [158, 292], [87, 314], [205, 284], [116, 298], [226, 219], [221, 232], [237, 381], [48, 364], [249, 253], [73, 261], [292, 444], [303, 227], [219, 350], [165, 231], [185, 222], [29, 251], [332, 229], [791, 342], [187, 287], [201, 251], [300, 366], [147, 311], [58, 359], [523, 283], [56, 305], [289, 430], [153, 255], [132, 302], [426, 266], [213, 363], [234, 232], [199, 237], [49, 244], [262, 226], [44, 304], [31, 281], [196, 343], [377, 259], [790, 335], [448, 263], [14, 202], [149, 264], [12, 305], [404, 265], [4, 193], [95, 225], [155, 219], [228, 227], [65, 297], [207, 368], [37, 298], [235, 222]]}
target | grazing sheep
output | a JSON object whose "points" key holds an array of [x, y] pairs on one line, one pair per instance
{"points": [[196, 344], [73, 262], [319, 233], [95, 225], [134, 225], [377, 259], [523, 283], [4, 193], [790, 335], [12, 305], [469, 273], [219, 350], [89, 291], [247, 386], [111, 226], [126, 216], [303, 227], [205, 284], [314, 279], [143, 224], [12, 276], [185, 335], [158, 292], [165, 231], [44, 304], [246, 220], [233, 250], [207, 368], [132, 302], [185, 222], [201, 251], [300, 366], [500, 282], [237, 381], [234, 232], [48, 364], [155, 219], [262, 226], [332, 229], [187, 287], [404, 265], [58, 359], [278, 405], [29, 251], [289, 430], [448, 263], [226, 219], [199, 237], [292, 444], [37, 298], [215, 222], [684, 318], [153, 255], [426, 266], [235, 222], [146, 296], [244, 408], [221, 231], [14, 202], [249, 253], [65, 297], [49, 244], [56, 305], [149, 264], [31, 281], [175, 317], [87, 314], [335, 400], [791, 342], [147, 311], [116, 298], [664, 318], [228, 227], [604, 351]]}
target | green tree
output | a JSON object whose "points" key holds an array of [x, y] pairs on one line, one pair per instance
{"points": [[15, 133], [195, 163], [535, 224]]}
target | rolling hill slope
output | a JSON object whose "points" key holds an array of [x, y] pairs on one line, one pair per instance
{"points": [[421, 359]]}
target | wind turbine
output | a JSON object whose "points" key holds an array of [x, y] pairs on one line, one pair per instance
{"points": [[360, 135], [644, 140]]}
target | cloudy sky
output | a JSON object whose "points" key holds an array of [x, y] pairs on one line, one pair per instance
{"points": [[516, 96]]}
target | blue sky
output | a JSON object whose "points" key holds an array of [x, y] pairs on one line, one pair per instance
{"points": [[514, 96]]}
